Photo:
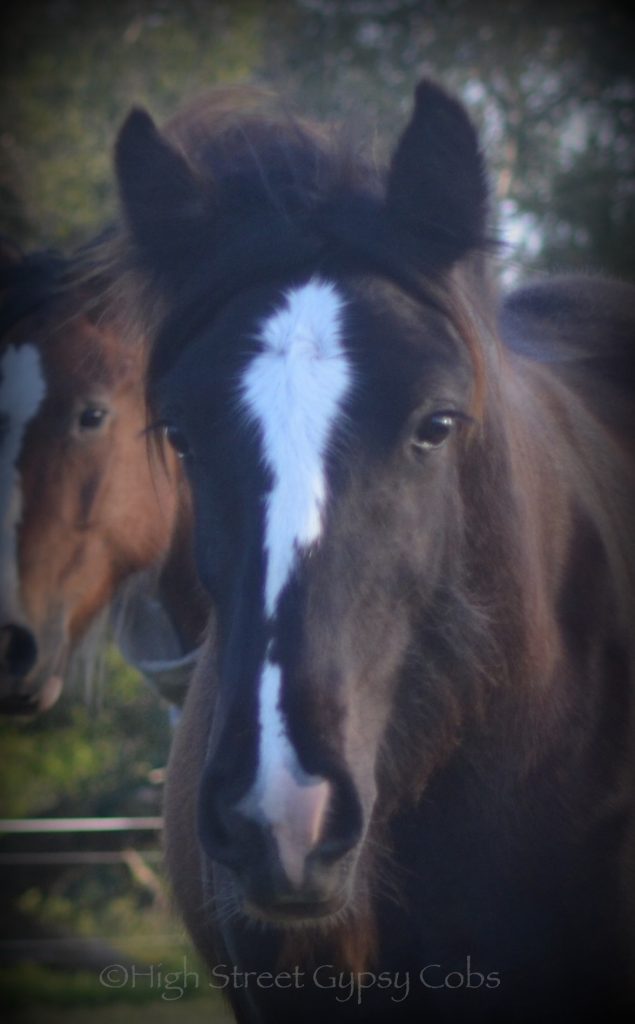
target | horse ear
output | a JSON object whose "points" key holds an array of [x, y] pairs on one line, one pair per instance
{"points": [[437, 181], [160, 195]]}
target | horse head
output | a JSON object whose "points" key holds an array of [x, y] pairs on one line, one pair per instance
{"points": [[319, 377], [82, 505]]}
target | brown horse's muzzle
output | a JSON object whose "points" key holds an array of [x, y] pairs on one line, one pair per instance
{"points": [[19, 693]]}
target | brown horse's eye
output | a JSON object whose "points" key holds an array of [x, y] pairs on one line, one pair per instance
{"points": [[433, 430], [92, 418], [178, 440]]}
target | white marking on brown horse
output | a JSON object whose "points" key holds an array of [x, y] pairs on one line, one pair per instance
{"points": [[22, 389]]}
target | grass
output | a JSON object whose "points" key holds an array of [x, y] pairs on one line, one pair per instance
{"points": [[199, 1011], [31, 994], [154, 975]]}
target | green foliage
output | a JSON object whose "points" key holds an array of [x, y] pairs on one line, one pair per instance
{"points": [[86, 756], [69, 76]]}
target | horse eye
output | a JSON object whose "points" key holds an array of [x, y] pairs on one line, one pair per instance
{"points": [[178, 440], [433, 430], [92, 417]]}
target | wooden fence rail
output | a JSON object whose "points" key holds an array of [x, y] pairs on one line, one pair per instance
{"points": [[23, 826]]}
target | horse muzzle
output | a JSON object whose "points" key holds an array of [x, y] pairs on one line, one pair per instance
{"points": [[19, 693], [294, 865]]}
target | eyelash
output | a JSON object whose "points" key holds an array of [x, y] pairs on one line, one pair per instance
{"points": [[155, 428]]}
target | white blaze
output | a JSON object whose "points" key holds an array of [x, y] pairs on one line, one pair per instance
{"points": [[294, 391], [22, 389]]}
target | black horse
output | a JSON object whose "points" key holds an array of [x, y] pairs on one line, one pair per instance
{"points": [[403, 784]]}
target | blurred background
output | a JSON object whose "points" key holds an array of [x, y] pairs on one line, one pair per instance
{"points": [[552, 89], [550, 85]]}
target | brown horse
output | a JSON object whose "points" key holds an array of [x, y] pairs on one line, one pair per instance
{"points": [[403, 787], [83, 507]]}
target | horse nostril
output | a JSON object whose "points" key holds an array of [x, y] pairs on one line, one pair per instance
{"points": [[344, 826], [18, 651], [336, 844], [222, 830]]}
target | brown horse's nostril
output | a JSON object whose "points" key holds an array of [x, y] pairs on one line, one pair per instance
{"points": [[18, 651]]}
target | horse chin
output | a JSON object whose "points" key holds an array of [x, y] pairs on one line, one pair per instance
{"points": [[301, 916], [290, 911], [29, 689], [32, 696]]}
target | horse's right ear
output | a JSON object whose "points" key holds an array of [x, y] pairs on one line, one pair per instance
{"points": [[160, 197], [437, 187]]}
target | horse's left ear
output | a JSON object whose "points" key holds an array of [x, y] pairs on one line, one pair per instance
{"points": [[162, 201], [437, 181]]}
